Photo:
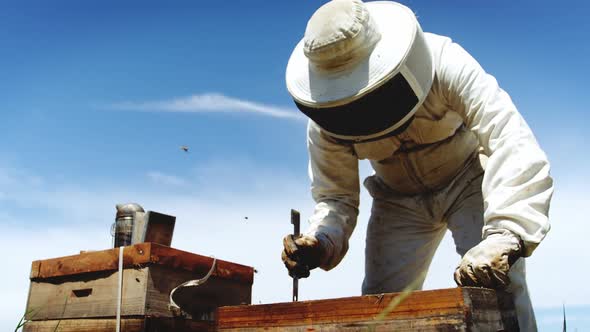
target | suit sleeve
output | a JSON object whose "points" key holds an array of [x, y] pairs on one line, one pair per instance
{"points": [[333, 169], [517, 186]]}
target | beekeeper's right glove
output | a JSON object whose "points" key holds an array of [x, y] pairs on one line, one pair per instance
{"points": [[302, 254]]}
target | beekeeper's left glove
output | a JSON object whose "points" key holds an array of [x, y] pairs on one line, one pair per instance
{"points": [[487, 264]]}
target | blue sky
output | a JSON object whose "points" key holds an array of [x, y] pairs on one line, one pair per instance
{"points": [[96, 99]]}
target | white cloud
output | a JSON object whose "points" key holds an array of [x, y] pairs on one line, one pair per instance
{"points": [[166, 179], [11, 176], [209, 102]]}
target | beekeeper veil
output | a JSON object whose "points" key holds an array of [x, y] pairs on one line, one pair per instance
{"points": [[362, 69]]}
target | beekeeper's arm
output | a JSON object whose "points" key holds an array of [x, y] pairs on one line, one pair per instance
{"points": [[333, 169], [516, 185]]}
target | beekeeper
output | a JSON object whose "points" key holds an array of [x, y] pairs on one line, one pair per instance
{"points": [[448, 147]]}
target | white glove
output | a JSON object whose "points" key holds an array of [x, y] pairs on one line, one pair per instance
{"points": [[487, 264]]}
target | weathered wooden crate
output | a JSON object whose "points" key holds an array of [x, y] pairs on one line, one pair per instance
{"points": [[81, 291], [454, 309], [147, 324]]}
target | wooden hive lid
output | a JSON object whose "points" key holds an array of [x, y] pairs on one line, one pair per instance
{"points": [[137, 255]]}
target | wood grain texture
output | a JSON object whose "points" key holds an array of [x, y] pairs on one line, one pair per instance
{"points": [[87, 262], [134, 324], [35, 266], [437, 310], [89, 295], [179, 259], [342, 310], [146, 291], [138, 255], [455, 309], [485, 307]]}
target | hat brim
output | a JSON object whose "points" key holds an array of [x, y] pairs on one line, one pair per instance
{"points": [[397, 25]]}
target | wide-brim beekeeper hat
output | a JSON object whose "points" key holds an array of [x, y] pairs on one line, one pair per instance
{"points": [[361, 70]]}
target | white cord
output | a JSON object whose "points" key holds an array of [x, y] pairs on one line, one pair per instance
{"points": [[120, 290]]}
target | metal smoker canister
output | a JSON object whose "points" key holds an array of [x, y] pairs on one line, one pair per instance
{"points": [[123, 228]]}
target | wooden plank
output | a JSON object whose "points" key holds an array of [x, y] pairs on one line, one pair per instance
{"points": [[89, 295], [146, 291], [87, 262], [179, 259], [136, 324], [79, 325], [438, 310], [138, 255], [35, 266], [433, 324], [343, 310], [485, 307]]}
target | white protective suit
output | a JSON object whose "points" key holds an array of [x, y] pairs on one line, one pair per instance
{"points": [[429, 179]]}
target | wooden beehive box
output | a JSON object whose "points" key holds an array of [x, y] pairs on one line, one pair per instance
{"points": [[80, 292], [453, 309]]}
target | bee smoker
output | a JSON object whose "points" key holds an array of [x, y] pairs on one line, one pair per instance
{"points": [[122, 230]]}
